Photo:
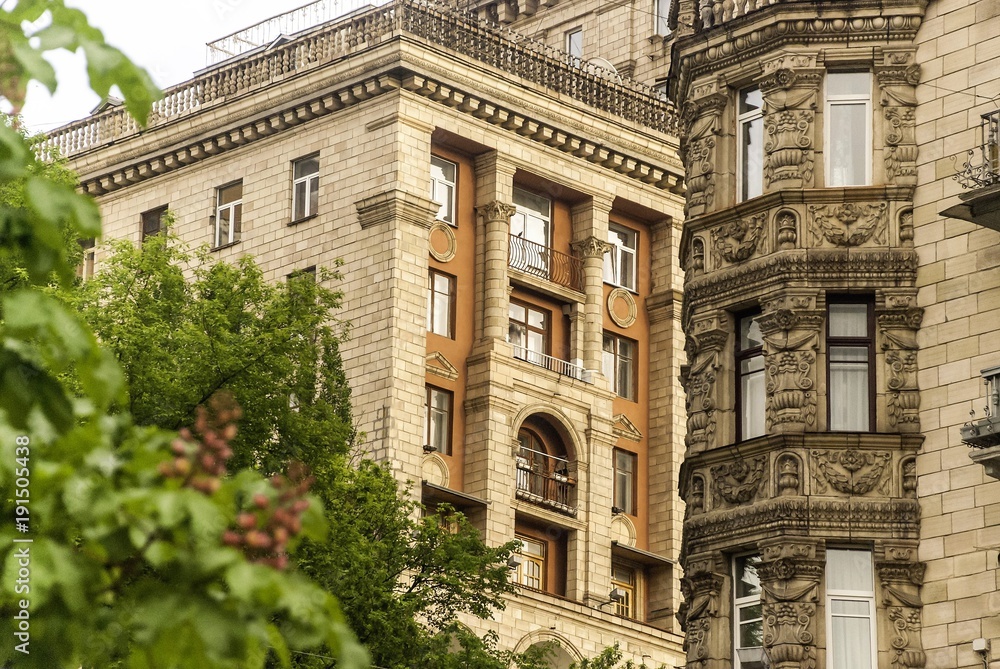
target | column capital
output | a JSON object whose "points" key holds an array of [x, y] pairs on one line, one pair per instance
{"points": [[496, 210], [592, 247]]}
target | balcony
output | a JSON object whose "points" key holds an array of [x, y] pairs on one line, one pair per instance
{"points": [[545, 263], [714, 13], [545, 480], [983, 434], [981, 174], [557, 365]]}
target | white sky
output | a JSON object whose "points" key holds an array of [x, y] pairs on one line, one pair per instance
{"points": [[167, 37]]}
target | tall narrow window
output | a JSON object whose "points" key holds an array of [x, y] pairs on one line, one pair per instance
{"points": [[850, 351], [750, 392], [619, 364], [228, 214], [443, 174], [748, 621], [441, 304], [528, 332], [662, 17], [848, 128], [530, 572], [305, 187], [574, 42], [152, 222], [619, 263], [750, 165], [850, 609], [624, 579], [624, 487], [529, 233], [437, 422], [86, 269]]}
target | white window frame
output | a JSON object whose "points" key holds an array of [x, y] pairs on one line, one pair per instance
{"points": [[87, 267], [443, 445], [311, 182], [661, 14], [434, 297], [235, 209], [529, 218], [740, 603], [744, 119], [613, 260], [867, 596], [610, 364], [864, 99], [574, 42], [442, 188]]}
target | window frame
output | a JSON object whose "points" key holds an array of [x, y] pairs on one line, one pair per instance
{"points": [[747, 118], [628, 607], [741, 355], [545, 331], [448, 413], [311, 181], [867, 342], [661, 17], [452, 187], [235, 207], [844, 100], [88, 263], [613, 260], [741, 603], [632, 478], [432, 301], [867, 596], [540, 561], [572, 44], [616, 358], [144, 220]]}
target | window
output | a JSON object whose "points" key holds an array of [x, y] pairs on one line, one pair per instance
{"points": [[619, 264], [850, 608], [441, 304], [748, 625], [305, 187], [437, 420], [849, 350], [228, 214], [443, 188], [152, 222], [750, 392], [574, 42], [528, 332], [619, 364], [848, 128], [529, 233], [530, 572], [660, 90], [624, 579], [750, 150], [624, 487], [662, 17], [86, 269]]}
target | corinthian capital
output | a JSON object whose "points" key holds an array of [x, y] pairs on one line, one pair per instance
{"points": [[592, 247], [496, 211]]}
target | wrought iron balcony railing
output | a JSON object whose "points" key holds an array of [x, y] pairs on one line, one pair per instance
{"points": [[983, 166], [545, 480], [550, 363], [985, 432], [545, 263]]}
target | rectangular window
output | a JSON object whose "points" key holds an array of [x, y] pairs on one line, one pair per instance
{"points": [[530, 572], [441, 304], [750, 391], [574, 42], [619, 364], [624, 486], [748, 620], [662, 17], [443, 174], [228, 214], [848, 128], [152, 221], [624, 580], [528, 332], [529, 233], [850, 609], [305, 188], [437, 420], [850, 352], [750, 149], [619, 263], [86, 269]]}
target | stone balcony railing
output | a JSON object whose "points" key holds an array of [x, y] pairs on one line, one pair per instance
{"points": [[710, 14], [431, 20]]}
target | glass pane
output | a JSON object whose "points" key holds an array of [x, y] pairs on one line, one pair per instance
{"points": [[752, 139], [848, 144], [536, 319], [608, 363], [222, 225], [850, 643], [625, 383], [752, 396], [231, 193], [532, 202], [752, 634], [531, 547], [848, 320], [574, 43], [849, 396], [627, 276], [622, 574], [751, 99], [442, 316], [849, 570], [750, 613], [237, 220], [750, 336], [306, 166], [517, 312], [313, 195], [300, 200], [516, 335], [662, 17], [444, 195], [442, 170], [850, 607], [853, 354], [747, 580], [536, 343], [848, 83], [751, 365]]}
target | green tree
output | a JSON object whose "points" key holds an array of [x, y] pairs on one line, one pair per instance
{"points": [[609, 658], [142, 548]]}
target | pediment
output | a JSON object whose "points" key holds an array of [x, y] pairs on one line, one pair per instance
{"points": [[624, 428], [439, 365]]}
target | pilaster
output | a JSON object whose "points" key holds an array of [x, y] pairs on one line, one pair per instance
{"points": [[494, 193]]}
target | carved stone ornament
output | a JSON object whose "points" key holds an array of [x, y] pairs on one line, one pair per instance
{"points": [[899, 104], [787, 225], [737, 241], [852, 471], [701, 589], [739, 482], [592, 247], [700, 120], [849, 224], [899, 341], [901, 597], [496, 211], [696, 497], [789, 364], [698, 379], [788, 475], [789, 596]]}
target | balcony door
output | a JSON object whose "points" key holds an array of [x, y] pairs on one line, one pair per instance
{"points": [[530, 230]]}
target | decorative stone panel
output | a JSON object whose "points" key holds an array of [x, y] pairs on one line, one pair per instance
{"points": [[897, 81], [790, 87], [701, 120]]}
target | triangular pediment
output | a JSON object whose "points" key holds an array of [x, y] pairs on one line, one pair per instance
{"points": [[439, 365], [623, 427]]}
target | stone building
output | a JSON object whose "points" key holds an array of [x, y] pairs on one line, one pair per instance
{"points": [[539, 252]]}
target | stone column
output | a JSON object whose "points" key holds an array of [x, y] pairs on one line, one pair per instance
{"points": [[897, 81], [704, 347], [790, 87], [590, 232], [705, 616], [899, 397], [494, 193], [790, 575]]}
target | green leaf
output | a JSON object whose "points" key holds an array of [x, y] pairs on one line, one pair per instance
{"points": [[35, 66]]}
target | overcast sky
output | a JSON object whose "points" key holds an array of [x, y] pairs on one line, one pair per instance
{"points": [[167, 37]]}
